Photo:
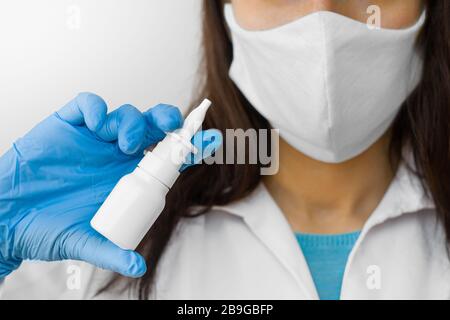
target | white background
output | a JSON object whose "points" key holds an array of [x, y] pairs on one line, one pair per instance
{"points": [[141, 52]]}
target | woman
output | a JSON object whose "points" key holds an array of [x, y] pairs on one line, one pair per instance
{"points": [[360, 207]]}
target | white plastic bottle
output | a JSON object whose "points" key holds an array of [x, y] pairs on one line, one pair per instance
{"points": [[137, 200]]}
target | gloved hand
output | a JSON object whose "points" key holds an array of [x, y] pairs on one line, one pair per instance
{"points": [[54, 180]]}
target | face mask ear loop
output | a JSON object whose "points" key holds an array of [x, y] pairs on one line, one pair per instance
{"points": [[417, 57], [227, 29]]}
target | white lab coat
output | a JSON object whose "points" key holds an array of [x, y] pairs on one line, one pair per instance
{"points": [[247, 250]]}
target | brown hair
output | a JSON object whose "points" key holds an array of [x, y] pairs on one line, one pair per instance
{"points": [[423, 123]]}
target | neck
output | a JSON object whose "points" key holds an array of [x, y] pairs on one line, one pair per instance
{"points": [[318, 197]]}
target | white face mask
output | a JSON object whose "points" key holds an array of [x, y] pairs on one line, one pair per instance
{"points": [[329, 83]]}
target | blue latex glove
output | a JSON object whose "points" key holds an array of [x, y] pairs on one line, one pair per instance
{"points": [[54, 180]]}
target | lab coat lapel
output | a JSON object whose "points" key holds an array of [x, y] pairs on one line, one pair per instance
{"points": [[268, 223], [404, 195]]}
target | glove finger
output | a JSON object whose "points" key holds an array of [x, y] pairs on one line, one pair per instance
{"points": [[93, 248], [87, 108], [127, 125], [160, 119], [206, 142]]}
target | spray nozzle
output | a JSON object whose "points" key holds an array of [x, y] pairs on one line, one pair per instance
{"points": [[192, 124]]}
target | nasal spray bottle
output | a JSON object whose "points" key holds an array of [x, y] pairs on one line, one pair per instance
{"points": [[139, 197]]}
